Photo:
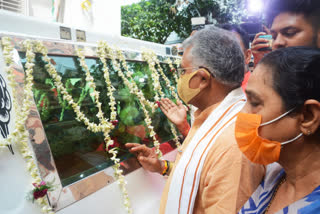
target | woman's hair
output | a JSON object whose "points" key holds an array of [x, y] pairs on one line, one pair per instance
{"points": [[295, 74]]}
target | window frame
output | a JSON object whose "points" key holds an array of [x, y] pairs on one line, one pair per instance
{"points": [[61, 196]]}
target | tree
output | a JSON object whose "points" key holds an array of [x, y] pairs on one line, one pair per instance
{"points": [[154, 20], [151, 20], [215, 11]]}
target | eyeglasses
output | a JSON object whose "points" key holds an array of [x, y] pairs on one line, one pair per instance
{"points": [[182, 71]]}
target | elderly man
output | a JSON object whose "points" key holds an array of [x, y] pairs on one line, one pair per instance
{"points": [[177, 113], [210, 175], [293, 23]]}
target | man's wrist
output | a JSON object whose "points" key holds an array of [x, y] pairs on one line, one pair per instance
{"points": [[162, 166], [184, 128], [166, 167]]}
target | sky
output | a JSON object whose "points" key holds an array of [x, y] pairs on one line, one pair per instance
{"points": [[126, 2]]}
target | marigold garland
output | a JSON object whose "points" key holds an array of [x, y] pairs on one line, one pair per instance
{"points": [[20, 135]]}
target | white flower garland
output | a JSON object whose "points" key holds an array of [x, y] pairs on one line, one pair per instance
{"points": [[177, 62], [173, 70], [134, 89], [105, 50], [20, 135], [154, 74], [104, 126], [141, 97], [92, 85], [117, 171], [153, 60], [111, 89]]}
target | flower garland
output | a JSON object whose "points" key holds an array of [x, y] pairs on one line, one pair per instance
{"points": [[39, 47], [92, 85], [20, 135], [111, 89], [177, 62], [95, 93], [104, 126], [154, 74], [109, 142], [153, 60], [173, 70], [141, 97], [105, 50]]}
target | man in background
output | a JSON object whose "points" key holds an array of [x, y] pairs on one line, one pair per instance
{"points": [[293, 23], [244, 41]]}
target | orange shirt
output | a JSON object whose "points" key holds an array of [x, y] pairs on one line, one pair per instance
{"points": [[245, 80], [228, 178]]}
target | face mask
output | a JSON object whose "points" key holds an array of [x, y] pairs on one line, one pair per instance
{"points": [[185, 92], [255, 148]]}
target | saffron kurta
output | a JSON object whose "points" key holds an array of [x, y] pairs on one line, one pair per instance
{"points": [[227, 178]]}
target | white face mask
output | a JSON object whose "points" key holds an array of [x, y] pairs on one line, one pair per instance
{"points": [[278, 118]]}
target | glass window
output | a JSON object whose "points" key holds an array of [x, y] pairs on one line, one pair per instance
{"points": [[77, 151]]}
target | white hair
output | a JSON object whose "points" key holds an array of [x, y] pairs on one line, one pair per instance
{"points": [[219, 51]]}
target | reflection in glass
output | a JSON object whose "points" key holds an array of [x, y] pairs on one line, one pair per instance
{"points": [[77, 151]]}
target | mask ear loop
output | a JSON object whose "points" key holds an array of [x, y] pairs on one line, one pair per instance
{"points": [[289, 141], [278, 118]]}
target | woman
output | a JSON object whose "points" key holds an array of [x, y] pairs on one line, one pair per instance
{"points": [[279, 127]]}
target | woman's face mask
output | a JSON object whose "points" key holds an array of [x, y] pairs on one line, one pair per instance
{"points": [[254, 147]]}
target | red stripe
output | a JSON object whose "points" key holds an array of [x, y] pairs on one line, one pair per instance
{"points": [[198, 145], [194, 178]]}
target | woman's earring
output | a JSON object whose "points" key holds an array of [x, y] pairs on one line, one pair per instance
{"points": [[309, 132]]}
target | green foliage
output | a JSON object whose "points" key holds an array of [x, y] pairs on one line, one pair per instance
{"points": [[154, 20], [71, 143], [215, 11]]}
